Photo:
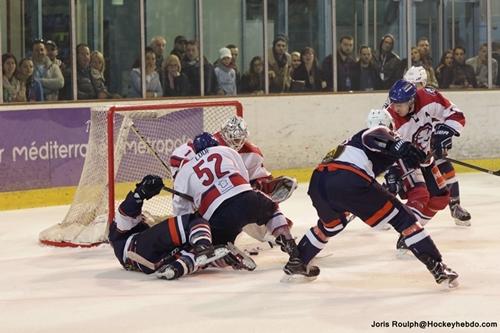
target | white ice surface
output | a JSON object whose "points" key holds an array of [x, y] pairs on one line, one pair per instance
{"points": [[45, 289]]}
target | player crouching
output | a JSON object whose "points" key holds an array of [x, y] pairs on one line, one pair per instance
{"points": [[178, 246]]}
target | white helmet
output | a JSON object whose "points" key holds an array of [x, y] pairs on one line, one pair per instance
{"points": [[416, 74], [235, 132], [377, 117]]}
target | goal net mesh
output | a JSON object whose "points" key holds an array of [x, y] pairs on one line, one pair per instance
{"points": [[103, 184]]}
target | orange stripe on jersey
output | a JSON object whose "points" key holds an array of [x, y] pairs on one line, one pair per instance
{"points": [[379, 214], [174, 234], [449, 175], [440, 180], [412, 229], [338, 166], [332, 223]]}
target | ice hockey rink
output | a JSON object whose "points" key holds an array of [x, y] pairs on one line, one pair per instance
{"points": [[44, 289]]}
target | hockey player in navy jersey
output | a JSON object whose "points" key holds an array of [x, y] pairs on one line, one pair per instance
{"points": [[418, 76], [178, 246], [345, 182], [218, 181]]}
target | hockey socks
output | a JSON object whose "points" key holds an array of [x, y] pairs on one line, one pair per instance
{"points": [[309, 246]]}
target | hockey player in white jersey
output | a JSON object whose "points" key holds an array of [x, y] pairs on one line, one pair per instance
{"points": [[418, 76], [218, 181], [234, 133]]}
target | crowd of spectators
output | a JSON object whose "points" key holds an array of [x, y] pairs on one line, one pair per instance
{"points": [[42, 76]]}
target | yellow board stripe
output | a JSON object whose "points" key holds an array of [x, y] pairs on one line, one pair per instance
{"points": [[64, 195]]}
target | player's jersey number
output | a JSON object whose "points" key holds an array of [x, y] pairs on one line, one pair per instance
{"points": [[202, 170]]}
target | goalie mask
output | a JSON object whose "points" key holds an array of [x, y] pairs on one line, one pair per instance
{"points": [[235, 132], [377, 117]]}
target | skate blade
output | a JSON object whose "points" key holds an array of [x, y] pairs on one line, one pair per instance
{"points": [[297, 278], [168, 274], [453, 283], [218, 254], [462, 223]]}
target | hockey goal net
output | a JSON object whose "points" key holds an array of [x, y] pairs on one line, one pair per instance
{"points": [[117, 158]]}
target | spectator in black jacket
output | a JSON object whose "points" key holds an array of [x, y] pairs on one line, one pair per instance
{"points": [[459, 75], [388, 62], [309, 72], [191, 68], [366, 75], [252, 82], [345, 65], [175, 83]]}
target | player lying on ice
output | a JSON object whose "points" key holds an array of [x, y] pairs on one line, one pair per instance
{"points": [[234, 133], [345, 182], [178, 246], [217, 180]]}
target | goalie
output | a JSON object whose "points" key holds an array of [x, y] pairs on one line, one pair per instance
{"points": [[234, 133]]}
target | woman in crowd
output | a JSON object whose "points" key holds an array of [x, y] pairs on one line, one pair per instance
{"points": [[175, 83], [308, 72], [446, 62], [252, 81], [153, 84], [31, 89], [11, 85]]}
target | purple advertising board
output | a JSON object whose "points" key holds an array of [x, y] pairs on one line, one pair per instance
{"points": [[42, 148]]}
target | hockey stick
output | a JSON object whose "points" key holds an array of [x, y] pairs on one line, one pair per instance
{"points": [[158, 157], [475, 167]]}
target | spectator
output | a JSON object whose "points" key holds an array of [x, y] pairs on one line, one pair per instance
{"points": [[345, 65], [48, 73], [52, 53], [234, 62], [389, 64], [89, 85], [460, 75], [308, 72], [153, 84], [296, 61], [158, 44], [480, 65], [252, 82], [191, 68], [445, 62], [225, 73], [175, 82], [279, 65], [31, 89], [495, 53], [179, 46], [417, 60], [424, 48], [11, 85], [366, 76]]}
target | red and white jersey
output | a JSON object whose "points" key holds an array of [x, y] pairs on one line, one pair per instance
{"points": [[250, 153], [430, 109], [210, 177], [252, 157]]}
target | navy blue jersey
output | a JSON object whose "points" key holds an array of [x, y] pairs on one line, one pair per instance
{"points": [[366, 150]]}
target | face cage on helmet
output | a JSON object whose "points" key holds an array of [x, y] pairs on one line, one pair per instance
{"points": [[234, 137]]}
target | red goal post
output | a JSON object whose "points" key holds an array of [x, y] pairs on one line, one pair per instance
{"points": [[111, 170]]}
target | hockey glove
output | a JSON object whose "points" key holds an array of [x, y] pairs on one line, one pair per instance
{"points": [[411, 155], [393, 182], [279, 188], [149, 187], [441, 140]]}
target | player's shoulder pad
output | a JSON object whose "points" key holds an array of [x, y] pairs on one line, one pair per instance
{"points": [[249, 147]]}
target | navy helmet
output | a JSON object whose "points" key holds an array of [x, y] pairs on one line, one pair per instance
{"points": [[402, 91], [203, 141]]}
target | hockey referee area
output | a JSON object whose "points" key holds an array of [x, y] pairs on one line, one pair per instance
{"points": [[45, 289]]}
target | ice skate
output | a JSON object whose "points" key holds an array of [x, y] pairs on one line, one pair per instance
{"points": [[296, 271], [443, 273], [168, 272], [461, 216], [239, 259], [402, 250], [218, 253]]}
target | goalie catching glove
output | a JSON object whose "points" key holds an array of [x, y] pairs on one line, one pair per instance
{"points": [[279, 188]]}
